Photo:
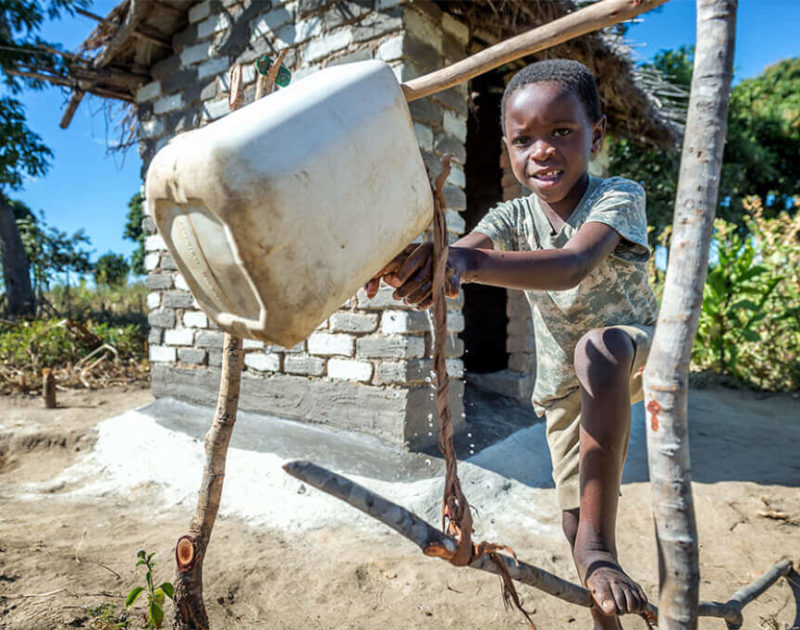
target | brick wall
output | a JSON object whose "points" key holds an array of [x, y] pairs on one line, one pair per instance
{"points": [[368, 366]]}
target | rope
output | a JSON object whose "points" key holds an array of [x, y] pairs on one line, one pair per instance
{"points": [[456, 516]]}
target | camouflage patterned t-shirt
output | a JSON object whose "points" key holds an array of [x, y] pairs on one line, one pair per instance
{"points": [[615, 292]]}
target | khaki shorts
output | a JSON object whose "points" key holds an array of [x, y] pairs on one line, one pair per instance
{"points": [[563, 421]]}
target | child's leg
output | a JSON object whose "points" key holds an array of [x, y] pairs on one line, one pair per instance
{"points": [[603, 361]]}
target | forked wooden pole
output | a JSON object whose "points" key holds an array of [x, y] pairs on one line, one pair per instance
{"points": [[666, 374], [190, 610], [423, 534]]}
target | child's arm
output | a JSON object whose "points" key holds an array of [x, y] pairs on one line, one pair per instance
{"points": [[468, 261]]}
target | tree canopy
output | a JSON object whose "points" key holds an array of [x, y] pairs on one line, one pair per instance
{"points": [[22, 150], [761, 156]]}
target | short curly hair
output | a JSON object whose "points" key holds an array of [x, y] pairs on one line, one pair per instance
{"points": [[573, 75]]}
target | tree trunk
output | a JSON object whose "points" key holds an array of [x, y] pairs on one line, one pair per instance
{"points": [[666, 375], [16, 269], [190, 611]]}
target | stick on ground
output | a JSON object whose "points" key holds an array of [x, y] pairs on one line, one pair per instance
{"points": [[423, 534]]}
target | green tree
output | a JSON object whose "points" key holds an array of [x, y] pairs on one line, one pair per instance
{"points": [[111, 270], [135, 233], [761, 156], [22, 151]]}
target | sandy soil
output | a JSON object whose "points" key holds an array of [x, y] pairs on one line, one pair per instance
{"points": [[62, 552]]}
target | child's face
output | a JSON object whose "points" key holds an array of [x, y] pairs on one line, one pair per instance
{"points": [[550, 137]]}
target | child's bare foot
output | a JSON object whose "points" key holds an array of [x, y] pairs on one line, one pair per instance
{"points": [[613, 591]]}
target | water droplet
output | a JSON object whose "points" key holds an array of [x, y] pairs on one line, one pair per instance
{"points": [[427, 461], [469, 434], [472, 446], [427, 379], [471, 452], [429, 433]]}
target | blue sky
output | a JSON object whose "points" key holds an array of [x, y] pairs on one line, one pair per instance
{"points": [[89, 188]]}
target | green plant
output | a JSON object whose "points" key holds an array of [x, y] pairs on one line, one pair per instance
{"points": [[734, 300], [105, 617], [156, 595]]}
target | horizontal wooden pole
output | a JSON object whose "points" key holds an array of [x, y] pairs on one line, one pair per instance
{"points": [[423, 534], [591, 18]]}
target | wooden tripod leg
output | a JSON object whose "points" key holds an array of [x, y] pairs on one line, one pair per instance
{"points": [[190, 611]]}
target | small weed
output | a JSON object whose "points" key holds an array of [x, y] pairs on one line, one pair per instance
{"points": [[105, 617], [156, 595]]}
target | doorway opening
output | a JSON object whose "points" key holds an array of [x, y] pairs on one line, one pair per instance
{"points": [[485, 319]]}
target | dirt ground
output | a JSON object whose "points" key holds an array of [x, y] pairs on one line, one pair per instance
{"points": [[61, 555]]}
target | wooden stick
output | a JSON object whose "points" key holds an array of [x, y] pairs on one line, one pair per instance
{"points": [[596, 16], [137, 32], [74, 100], [48, 388], [666, 374], [423, 534], [190, 611]]}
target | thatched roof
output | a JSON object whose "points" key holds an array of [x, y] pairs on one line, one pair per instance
{"points": [[138, 33]]}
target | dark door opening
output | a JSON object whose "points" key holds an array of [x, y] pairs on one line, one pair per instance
{"points": [[485, 319]]}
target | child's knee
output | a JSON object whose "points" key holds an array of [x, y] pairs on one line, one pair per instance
{"points": [[604, 356]]}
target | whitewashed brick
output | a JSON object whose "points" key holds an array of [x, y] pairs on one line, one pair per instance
{"points": [[353, 322], [455, 321], [263, 362], [181, 337], [148, 92], [349, 370], [455, 222], [248, 74], [455, 125], [151, 260], [215, 109], [196, 319], [151, 128], [249, 344], [168, 103], [299, 31], [200, 11], [391, 49], [455, 368], [324, 46], [180, 283], [271, 22], [327, 344], [153, 300], [195, 54], [213, 24], [424, 136], [383, 299], [457, 177], [213, 66], [303, 364], [386, 4], [404, 321], [296, 348], [154, 243], [456, 28], [163, 353], [390, 347]]}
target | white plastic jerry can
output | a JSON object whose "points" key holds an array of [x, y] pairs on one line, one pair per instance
{"points": [[277, 213]]}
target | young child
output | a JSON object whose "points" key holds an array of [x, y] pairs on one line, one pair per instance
{"points": [[578, 248]]}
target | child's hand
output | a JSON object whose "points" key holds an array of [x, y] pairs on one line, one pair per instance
{"points": [[375, 282], [414, 278]]}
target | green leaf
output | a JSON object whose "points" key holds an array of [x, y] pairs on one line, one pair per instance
{"points": [[752, 273], [168, 589], [745, 304], [135, 592], [156, 614], [751, 335]]}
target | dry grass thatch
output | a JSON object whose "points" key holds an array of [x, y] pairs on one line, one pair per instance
{"points": [[138, 33]]}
